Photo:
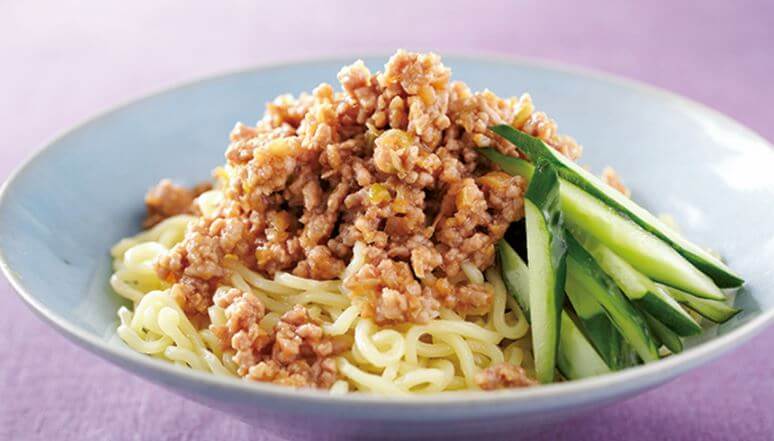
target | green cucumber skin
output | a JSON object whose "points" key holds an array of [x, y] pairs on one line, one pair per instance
{"points": [[713, 310], [639, 289], [647, 253], [656, 258], [630, 323], [544, 315], [673, 317], [629, 356], [668, 338], [535, 148], [546, 251], [597, 327], [577, 358], [509, 164], [600, 326], [515, 274]]}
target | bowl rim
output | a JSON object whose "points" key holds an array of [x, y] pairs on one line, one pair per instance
{"points": [[654, 371]]}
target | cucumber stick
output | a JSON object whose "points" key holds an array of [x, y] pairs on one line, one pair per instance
{"points": [[515, 274], [576, 357], [536, 149], [646, 252], [639, 289], [509, 164], [592, 280], [667, 337], [593, 320], [546, 251], [713, 310]]}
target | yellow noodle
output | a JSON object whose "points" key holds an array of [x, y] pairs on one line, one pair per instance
{"points": [[513, 354], [177, 224], [211, 342], [343, 322], [215, 365], [366, 381], [492, 352], [464, 357], [442, 355], [472, 272], [367, 343], [271, 304], [260, 282], [512, 332], [124, 289], [358, 260], [302, 284], [186, 356], [320, 298], [340, 387]]}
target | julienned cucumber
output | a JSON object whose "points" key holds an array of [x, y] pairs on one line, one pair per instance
{"points": [[576, 357], [639, 288], [713, 310], [546, 251], [509, 164], [595, 323], [646, 252], [515, 274], [536, 149], [643, 250], [664, 334], [592, 280]]}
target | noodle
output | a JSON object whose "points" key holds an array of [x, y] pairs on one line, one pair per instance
{"points": [[512, 332], [444, 354]]}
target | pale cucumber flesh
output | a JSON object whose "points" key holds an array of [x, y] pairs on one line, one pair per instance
{"points": [[645, 252], [668, 338], [648, 253], [542, 302], [577, 358], [595, 323], [622, 313], [713, 310], [669, 312], [536, 149], [639, 288], [515, 274]]}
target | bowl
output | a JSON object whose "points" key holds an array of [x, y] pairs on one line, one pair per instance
{"points": [[64, 208]]}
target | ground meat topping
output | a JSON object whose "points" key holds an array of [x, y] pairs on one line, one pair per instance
{"points": [[461, 234], [196, 264], [543, 127], [389, 293], [320, 264], [468, 298], [390, 160], [242, 332], [167, 199], [295, 353], [502, 376], [611, 178], [424, 260]]}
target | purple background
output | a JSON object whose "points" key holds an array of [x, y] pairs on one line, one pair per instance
{"points": [[63, 61]]}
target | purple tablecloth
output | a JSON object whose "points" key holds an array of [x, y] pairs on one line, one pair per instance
{"points": [[63, 61]]}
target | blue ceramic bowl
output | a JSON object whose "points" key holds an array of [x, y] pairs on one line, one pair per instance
{"points": [[61, 212]]}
